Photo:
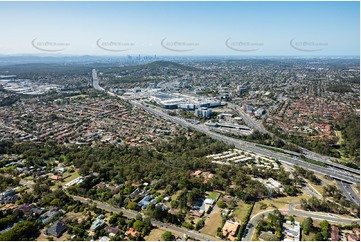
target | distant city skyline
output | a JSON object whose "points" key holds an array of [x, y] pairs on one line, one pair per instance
{"points": [[181, 28]]}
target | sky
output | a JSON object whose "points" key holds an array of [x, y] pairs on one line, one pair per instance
{"points": [[180, 28]]}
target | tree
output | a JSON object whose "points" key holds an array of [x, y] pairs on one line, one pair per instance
{"points": [[132, 206], [318, 237], [167, 236], [199, 224], [138, 225], [291, 190], [188, 225], [221, 204], [307, 225], [116, 217], [193, 195], [157, 212], [325, 229], [147, 226], [292, 219], [22, 231]]}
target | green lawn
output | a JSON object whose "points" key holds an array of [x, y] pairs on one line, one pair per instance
{"points": [[69, 177], [307, 237], [241, 210], [213, 195], [280, 203]]}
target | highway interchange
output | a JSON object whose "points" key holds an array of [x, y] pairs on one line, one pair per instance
{"points": [[344, 176], [251, 147], [350, 194], [257, 125], [337, 171]]}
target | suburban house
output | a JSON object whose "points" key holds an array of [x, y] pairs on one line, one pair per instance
{"points": [[145, 201], [98, 223], [229, 230], [132, 232], [57, 229], [292, 231], [334, 233]]}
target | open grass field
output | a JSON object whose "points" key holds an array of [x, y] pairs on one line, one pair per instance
{"points": [[72, 215], [339, 136], [156, 234], [175, 195], [328, 182], [213, 222], [241, 210], [318, 188], [307, 237], [43, 237], [279, 203]]}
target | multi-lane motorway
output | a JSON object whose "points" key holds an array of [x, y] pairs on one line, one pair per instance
{"points": [[96, 81], [251, 147], [350, 194], [249, 121], [334, 172], [339, 172], [257, 125]]}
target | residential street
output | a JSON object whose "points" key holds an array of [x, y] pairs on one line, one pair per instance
{"points": [[132, 214]]}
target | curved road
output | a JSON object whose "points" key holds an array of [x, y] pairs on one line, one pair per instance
{"points": [[251, 147], [245, 145], [299, 213], [309, 154]]}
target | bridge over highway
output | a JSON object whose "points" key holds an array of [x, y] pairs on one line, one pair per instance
{"points": [[338, 172]]}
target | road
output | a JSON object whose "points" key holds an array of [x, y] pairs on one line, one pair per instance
{"points": [[348, 192], [249, 146], [132, 214], [248, 120], [299, 213], [307, 153], [335, 218], [327, 160], [96, 81], [248, 234], [309, 189]]}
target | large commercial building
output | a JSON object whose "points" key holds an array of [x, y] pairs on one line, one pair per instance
{"points": [[181, 101], [203, 112]]}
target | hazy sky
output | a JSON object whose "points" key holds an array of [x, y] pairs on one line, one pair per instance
{"points": [[186, 28]]}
